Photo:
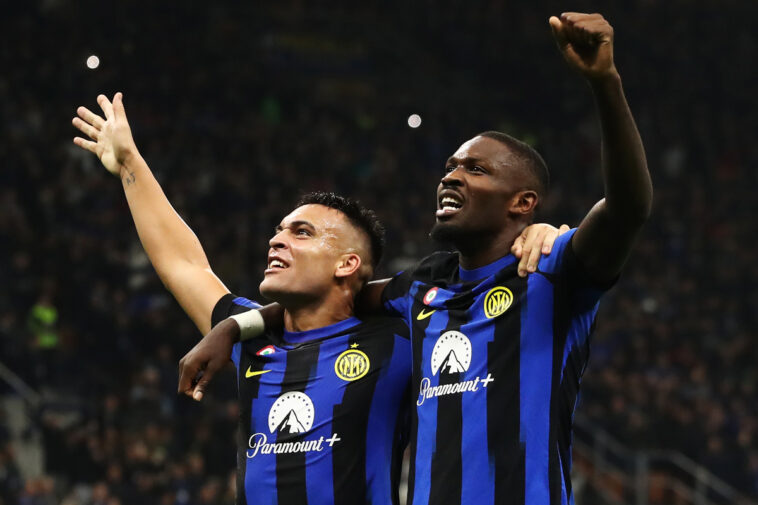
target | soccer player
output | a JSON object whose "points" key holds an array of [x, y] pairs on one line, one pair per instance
{"points": [[323, 419], [498, 358]]}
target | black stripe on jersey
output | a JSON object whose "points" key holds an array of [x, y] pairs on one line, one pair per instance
{"points": [[350, 420], [247, 392], [290, 468], [417, 350], [561, 320], [503, 401], [447, 466]]}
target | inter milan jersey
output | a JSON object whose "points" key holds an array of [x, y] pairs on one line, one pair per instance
{"points": [[323, 417], [497, 361]]}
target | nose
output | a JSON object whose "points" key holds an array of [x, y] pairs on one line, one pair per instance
{"points": [[277, 241], [452, 178]]}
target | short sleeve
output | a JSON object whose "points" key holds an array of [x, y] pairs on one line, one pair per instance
{"points": [[229, 305], [396, 294]]}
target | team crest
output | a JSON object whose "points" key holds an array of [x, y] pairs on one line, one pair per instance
{"points": [[291, 413], [497, 301], [430, 295], [352, 365], [451, 353]]}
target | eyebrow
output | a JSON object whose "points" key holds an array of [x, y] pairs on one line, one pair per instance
{"points": [[295, 224], [468, 158]]}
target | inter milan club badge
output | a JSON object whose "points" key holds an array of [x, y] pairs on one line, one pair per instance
{"points": [[497, 301], [430, 296], [351, 365]]}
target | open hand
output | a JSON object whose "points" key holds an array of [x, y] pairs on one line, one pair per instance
{"points": [[112, 140]]}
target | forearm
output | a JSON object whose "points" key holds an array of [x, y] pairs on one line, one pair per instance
{"points": [[165, 236], [628, 188]]}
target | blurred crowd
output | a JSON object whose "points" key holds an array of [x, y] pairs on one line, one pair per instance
{"points": [[240, 110]]}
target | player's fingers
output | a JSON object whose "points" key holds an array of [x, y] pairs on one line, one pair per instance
{"points": [[90, 117], [202, 384], [85, 128], [86, 144], [118, 106], [106, 105], [187, 372], [535, 250], [517, 247], [549, 240]]}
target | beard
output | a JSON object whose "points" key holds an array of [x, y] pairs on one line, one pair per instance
{"points": [[454, 235]]}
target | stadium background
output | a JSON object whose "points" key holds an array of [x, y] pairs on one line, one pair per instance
{"points": [[239, 108]]}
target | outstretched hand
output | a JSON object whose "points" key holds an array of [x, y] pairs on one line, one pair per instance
{"points": [[112, 140], [535, 241], [586, 42]]}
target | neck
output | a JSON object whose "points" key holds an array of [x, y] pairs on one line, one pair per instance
{"points": [[334, 308], [487, 248]]}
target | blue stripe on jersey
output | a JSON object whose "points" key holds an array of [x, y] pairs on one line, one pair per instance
{"points": [[535, 386], [245, 302], [385, 406], [486, 270]]}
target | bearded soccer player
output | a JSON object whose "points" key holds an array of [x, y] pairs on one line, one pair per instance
{"points": [[498, 358]]}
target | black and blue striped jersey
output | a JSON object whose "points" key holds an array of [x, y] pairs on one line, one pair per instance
{"points": [[323, 413], [497, 362]]}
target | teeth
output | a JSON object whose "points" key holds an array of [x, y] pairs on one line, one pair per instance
{"points": [[450, 203], [276, 264]]}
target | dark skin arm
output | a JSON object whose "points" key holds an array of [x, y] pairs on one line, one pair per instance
{"points": [[605, 237]]}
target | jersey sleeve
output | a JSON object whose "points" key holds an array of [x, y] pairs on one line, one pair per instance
{"points": [[229, 305], [396, 294], [563, 263]]}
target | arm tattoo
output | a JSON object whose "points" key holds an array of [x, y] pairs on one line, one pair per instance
{"points": [[129, 178]]}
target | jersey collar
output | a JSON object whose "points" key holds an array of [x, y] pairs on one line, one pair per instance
{"points": [[486, 270], [298, 337]]}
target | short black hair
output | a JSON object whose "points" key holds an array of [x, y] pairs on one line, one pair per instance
{"points": [[533, 161], [359, 216]]}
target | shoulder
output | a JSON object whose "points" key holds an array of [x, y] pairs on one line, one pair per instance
{"points": [[435, 268], [553, 262]]}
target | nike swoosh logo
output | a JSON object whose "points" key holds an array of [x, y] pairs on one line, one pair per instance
{"points": [[249, 373], [424, 315]]}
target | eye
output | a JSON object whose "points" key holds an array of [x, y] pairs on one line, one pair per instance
{"points": [[303, 232], [449, 168], [477, 168]]}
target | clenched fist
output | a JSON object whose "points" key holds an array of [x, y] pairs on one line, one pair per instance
{"points": [[586, 42]]}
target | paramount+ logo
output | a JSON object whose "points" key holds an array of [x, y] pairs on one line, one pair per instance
{"points": [[497, 301]]}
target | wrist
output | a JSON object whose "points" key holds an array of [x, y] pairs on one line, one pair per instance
{"points": [[250, 324], [127, 161], [605, 81]]}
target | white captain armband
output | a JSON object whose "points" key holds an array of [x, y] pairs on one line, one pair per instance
{"points": [[251, 324]]}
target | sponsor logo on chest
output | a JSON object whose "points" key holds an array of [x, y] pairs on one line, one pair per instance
{"points": [[451, 355], [292, 413]]}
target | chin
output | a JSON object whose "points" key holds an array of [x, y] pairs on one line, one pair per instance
{"points": [[447, 233]]}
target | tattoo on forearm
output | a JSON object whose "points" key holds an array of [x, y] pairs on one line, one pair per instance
{"points": [[129, 178]]}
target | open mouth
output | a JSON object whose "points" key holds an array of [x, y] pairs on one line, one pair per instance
{"points": [[449, 204], [275, 264]]}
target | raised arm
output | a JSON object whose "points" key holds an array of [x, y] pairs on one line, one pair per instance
{"points": [[605, 237], [172, 247]]}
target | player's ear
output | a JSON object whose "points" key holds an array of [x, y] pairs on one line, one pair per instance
{"points": [[524, 202], [348, 264]]}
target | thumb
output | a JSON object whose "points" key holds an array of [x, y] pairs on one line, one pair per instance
{"points": [[558, 31], [202, 383]]}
